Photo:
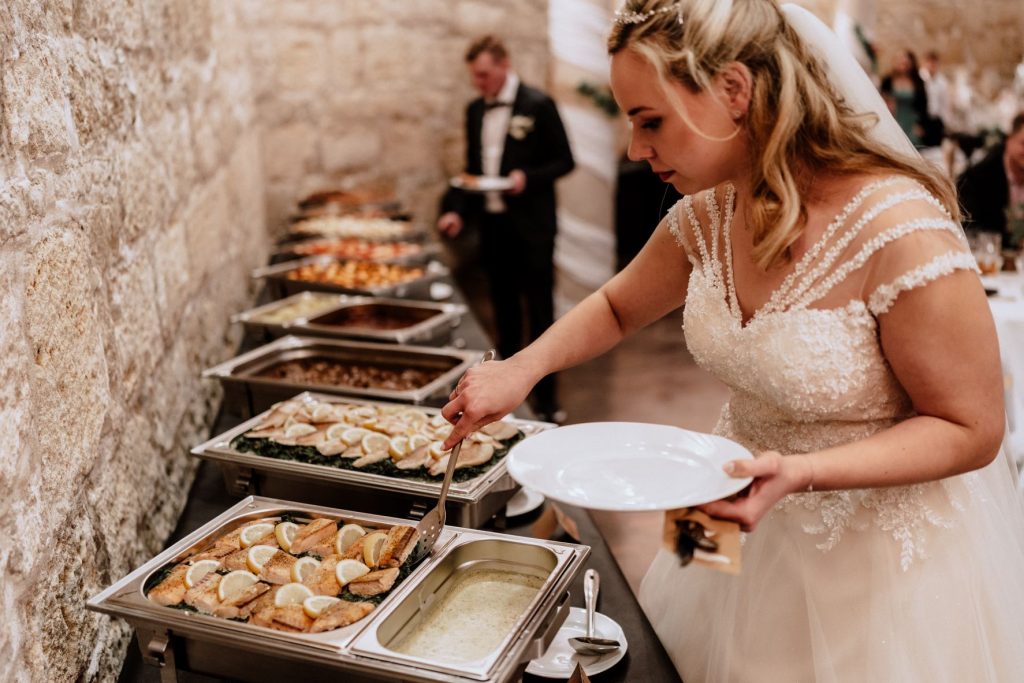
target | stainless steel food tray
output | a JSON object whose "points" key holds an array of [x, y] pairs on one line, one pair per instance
{"points": [[248, 394], [444, 318], [280, 286], [177, 640], [428, 250], [470, 503]]}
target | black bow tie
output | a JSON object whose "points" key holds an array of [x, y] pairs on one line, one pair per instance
{"points": [[494, 105]]}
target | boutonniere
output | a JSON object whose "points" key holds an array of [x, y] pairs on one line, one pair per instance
{"points": [[520, 126]]}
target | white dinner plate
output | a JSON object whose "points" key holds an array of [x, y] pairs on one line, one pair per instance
{"points": [[560, 659], [482, 183], [627, 466], [525, 500], [440, 291]]}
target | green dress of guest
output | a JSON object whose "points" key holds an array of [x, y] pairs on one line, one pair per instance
{"points": [[906, 112]]}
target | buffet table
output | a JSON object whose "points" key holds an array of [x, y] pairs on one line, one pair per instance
{"points": [[645, 658], [1007, 306]]}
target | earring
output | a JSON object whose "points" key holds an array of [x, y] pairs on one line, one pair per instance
{"points": [[736, 113]]}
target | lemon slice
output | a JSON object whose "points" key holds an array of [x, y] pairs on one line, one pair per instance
{"points": [[437, 450], [298, 429], [399, 447], [348, 570], [314, 606], [251, 534], [304, 567], [258, 556], [285, 533], [443, 431], [200, 569], [291, 594], [347, 535], [323, 412], [363, 413], [417, 440], [337, 431], [413, 417], [354, 435], [375, 443], [371, 547], [438, 421], [235, 582]]}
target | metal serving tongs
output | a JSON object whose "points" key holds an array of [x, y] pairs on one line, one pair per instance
{"points": [[429, 528]]}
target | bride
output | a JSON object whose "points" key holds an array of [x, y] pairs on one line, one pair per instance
{"points": [[826, 281]]}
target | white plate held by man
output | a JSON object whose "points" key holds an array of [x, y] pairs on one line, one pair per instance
{"points": [[627, 466]]}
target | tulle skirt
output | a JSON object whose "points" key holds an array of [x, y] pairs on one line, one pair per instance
{"points": [[884, 601]]}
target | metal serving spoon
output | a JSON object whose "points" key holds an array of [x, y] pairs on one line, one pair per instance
{"points": [[589, 645], [429, 528]]}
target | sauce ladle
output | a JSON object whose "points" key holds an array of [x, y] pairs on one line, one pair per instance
{"points": [[590, 645]]}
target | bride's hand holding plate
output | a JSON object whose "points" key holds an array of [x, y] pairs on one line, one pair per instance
{"points": [[775, 476], [486, 393]]}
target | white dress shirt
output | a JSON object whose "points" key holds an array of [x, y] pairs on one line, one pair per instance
{"points": [[492, 137]]}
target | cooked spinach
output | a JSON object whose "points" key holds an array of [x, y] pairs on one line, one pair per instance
{"points": [[309, 454], [157, 577], [184, 607]]}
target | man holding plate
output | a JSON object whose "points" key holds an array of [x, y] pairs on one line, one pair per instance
{"points": [[514, 141]]}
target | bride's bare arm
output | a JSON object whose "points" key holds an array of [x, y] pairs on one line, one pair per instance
{"points": [[652, 285], [941, 344]]}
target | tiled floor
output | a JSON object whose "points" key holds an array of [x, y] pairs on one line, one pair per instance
{"points": [[650, 377]]}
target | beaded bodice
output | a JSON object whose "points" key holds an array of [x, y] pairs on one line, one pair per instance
{"points": [[807, 370]]}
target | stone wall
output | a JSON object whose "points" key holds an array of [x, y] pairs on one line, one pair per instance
{"points": [[356, 93], [131, 210]]}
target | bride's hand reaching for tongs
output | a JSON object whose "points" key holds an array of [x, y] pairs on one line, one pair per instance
{"points": [[486, 393]]}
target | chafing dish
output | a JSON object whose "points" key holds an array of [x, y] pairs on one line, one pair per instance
{"points": [[425, 320], [248, 392], [280, 285], [470, 503], [423, 251], [179, 640]]}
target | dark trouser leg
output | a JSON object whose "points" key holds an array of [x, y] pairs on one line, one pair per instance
{"points": [[539, 285], [500, 256]]}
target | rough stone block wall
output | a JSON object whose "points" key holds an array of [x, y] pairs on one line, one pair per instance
{"points": [[352, 93], [131, 211]]}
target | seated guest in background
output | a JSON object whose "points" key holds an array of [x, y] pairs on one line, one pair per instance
{"points": [[513, 130], [994, 186], [905, 93]]}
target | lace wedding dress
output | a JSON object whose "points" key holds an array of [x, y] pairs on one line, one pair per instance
{"points": [[913, 583]]}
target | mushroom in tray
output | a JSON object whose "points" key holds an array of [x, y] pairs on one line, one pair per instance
{"points": [[295, 577]]}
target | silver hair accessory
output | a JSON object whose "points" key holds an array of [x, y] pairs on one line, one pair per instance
{"points": [[622, 17]]}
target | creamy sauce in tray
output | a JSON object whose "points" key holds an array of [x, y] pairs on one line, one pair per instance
{"points": [[474, 616]]}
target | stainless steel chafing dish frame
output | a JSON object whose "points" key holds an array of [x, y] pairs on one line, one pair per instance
{"points": [[171, 639], [448, 316], [253, 393], [277, 275], [429, 251], [470, 503]]}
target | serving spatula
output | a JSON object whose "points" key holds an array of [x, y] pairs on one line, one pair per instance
{"points": [[429, 528]]}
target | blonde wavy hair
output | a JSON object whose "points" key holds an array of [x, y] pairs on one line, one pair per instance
{"points": [[798, 126]]}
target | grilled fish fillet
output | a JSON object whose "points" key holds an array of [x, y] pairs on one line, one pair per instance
{"points": [[397, 546], [203, 595], [292, 616], [247, 595], [259, 604], [500, 430], [418, 458], [374, 583], [355, 551], [331, 447], [278, 568], [324, 581], [340, 614], [235, 560], [370, 458], [316, 532], [215, 553], [171, 590]]}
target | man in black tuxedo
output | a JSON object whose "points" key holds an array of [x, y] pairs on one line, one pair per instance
{"points": [[515, 131], [995, 186]]}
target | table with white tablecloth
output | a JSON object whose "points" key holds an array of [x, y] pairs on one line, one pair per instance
{"points": [[1008, 311]]}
